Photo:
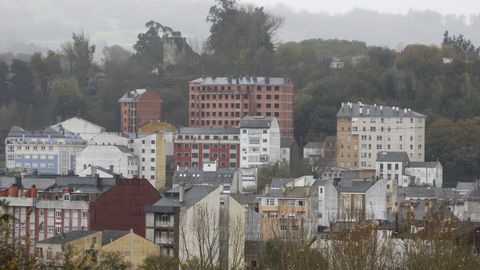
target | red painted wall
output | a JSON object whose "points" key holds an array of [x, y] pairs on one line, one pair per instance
{"points": [[121, 207]]}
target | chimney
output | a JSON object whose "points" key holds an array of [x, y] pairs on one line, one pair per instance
{"points": [[381, 107], [360, 110], [93, 170], [13, 191], [267, 188], [18, 181], [181, 196], [33, 191], [284, 188]]}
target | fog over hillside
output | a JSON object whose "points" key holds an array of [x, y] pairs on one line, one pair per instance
{"points": [[29, 26]]}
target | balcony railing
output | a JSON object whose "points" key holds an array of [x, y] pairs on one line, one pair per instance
{"points": [[159, 223]]}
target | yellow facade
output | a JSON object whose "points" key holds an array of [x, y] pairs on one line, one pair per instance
{"points": [[134, 247], [347, 144], [159, 128]]}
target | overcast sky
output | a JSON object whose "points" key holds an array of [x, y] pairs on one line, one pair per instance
{"points": [[32, 25], [458, 7]]}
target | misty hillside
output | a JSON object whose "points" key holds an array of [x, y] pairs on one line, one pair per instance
{"points": [[106, 24]]}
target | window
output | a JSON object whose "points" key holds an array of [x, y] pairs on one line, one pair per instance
{"points": [[152, 151], [270, 201]]}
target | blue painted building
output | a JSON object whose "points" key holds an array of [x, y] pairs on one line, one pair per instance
{"points": [[48, 151]]}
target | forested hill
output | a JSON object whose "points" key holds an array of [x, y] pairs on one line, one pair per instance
{"points": [[47, 88]]}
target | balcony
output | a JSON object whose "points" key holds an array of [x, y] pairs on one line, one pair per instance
{"points": [[164, 224], [164, 240]]}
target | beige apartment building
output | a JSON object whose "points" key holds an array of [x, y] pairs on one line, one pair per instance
{"points": [[364, 130]]}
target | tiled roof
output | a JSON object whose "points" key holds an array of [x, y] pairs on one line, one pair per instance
{"points": [[66, 238], [465, 185], [134, 95], [392, 157], [109, 236], [365, 110], [347, 186], [170, 200], [193, 175], [280, 182], [207, 130], [240, 81], [417, 164], [256, 122], [314, 145], [51, 132]]}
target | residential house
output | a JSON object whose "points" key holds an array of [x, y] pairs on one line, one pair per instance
{"points": [[362, 199], [229, 179], [133, 247], [426, 173], [290, 212], [116, 158], [259, 141]]}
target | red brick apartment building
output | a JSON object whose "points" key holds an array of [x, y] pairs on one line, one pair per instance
{"points": [[194, 146], [138, 107], [224, 101]]}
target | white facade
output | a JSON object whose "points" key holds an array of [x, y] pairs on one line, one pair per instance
{"points": [[47, 151], [85, 129], [376, 201], [372, 129], [259, 143], [389, 134], [142, 145], [429, 174], [391, 171], [114, 158], [327, 203]]}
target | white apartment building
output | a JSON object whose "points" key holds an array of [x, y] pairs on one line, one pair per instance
{"points": [[259, 141], [116, 158], [47, 151], [364, 130], [150, 149]]}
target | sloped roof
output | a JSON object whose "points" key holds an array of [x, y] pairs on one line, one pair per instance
{"points": [[170, 200], [256, 122], [353, 186], [134, 95], [109, 236], [353, 110], [418, 164], [465, 185], [194, 175], [385, 156], [66, 237], [240, 81], [40, 183], [207, 130], [17, 131], [314, 145], [280, 182]]}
